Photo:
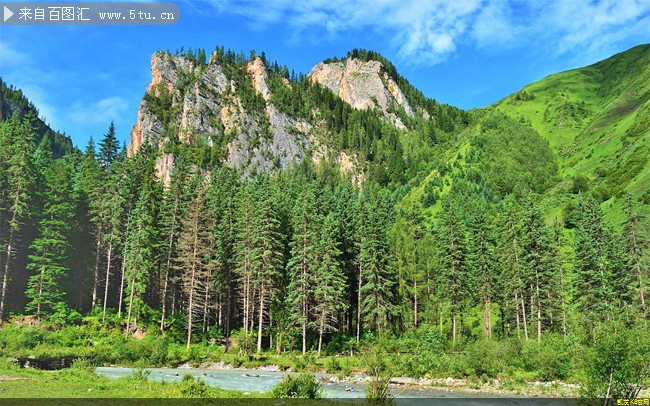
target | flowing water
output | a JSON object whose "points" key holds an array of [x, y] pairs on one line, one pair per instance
{"points": [[259, 381]]}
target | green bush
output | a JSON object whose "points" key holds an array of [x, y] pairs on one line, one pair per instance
{"points": [[194, 388], [304, 386], [550, 357], [486, 357], [620, 362], [333, 365]]}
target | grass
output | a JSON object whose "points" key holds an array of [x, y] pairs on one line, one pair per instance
{"points": [[82, 383], [595, 120]]}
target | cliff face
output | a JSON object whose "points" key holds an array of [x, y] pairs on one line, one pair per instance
{"points": [[363, 85], [206, 107], [231, 108]]}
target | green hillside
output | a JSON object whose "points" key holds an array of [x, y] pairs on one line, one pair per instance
{"points": [[596, 122]]}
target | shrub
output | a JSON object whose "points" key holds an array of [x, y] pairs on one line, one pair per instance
{"points": [[486, 357], [140, 374], [304, 386], [620, 362], [550, 357], [380, 373], [333, 365], [194, 388]]}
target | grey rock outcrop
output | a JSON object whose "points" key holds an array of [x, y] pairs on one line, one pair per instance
{"points": [[363, 85], [211, 111]]}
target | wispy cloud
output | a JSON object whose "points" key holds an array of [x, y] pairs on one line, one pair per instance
{"points": [[429, 31], [102, 111]]}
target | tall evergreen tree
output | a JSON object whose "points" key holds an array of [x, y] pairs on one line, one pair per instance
{"points": [[329, 283], [510, 255], [18, 148], [50, 249], [113, 205], [537, 251], [173, 207], [245, 254], [452, 255], [194, 254], [636, 247], [377, 271], [267, 252], [90, 188], [303, 260], [601, 282], [482, 259], [108, 148], [139, 255]]}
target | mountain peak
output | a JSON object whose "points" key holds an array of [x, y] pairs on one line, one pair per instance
{"points": [[363, 84]]}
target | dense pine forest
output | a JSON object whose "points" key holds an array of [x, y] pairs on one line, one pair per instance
{"points": [[463, 245]]}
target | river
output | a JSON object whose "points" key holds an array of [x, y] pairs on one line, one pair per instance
{"points": [[259, 381]]}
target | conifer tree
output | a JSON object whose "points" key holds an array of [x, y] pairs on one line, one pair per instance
{"points": [[108, 148], [512, 283], [194, 254], [452, 255], [537, 262], [377, 272], [636, 246], [17, 145], [113, 206], [221, 208], [48, 260], [90, 187], [481, 256], [266, 253], [602, 282], [329, 282], [245, 254], [174, 205], [411, 274], [302, 261], [139, 255]]}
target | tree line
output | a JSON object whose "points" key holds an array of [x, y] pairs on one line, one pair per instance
{"points": [[293, 259]]}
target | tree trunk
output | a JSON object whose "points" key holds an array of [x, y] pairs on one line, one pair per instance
{"points": [[539, 307], [169, 262], [5, 275], [517, 313], [415, 303], [97, 254], [359, 304], [320, 331], [523, 313], [487, 318], [190, 305], [108, 275], [260, 320], [453, 324], [128, 319], [119, 303], [40, 295]]}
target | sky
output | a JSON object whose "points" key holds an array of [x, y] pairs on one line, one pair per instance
{"points": [[466, 53]]}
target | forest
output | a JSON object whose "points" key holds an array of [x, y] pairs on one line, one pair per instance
{"points": [[446, 259]]}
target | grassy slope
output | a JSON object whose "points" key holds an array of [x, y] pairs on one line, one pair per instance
{"points": [[597, 121], [30, 383]]}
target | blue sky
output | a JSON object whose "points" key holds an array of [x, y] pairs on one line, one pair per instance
{"points": [[467, 53]]}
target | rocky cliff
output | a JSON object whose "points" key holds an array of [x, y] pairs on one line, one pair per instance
{"points": [[363, 85], [206, 106], [231, 106]]}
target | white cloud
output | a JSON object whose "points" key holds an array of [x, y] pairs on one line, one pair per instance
{"points": [[10, 57], [429, 31], [102, 111]]}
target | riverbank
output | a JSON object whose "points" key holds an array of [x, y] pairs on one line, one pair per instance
{"points": [[81, 382], [503, 387]]}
